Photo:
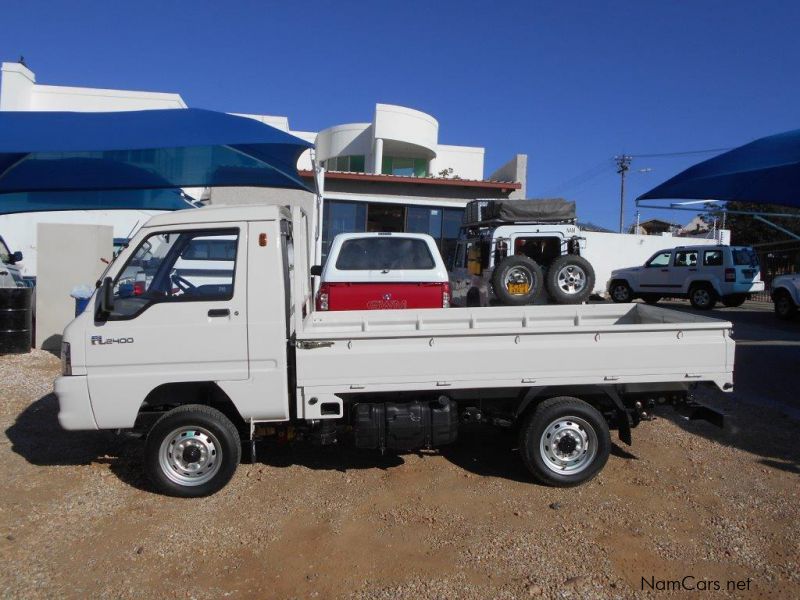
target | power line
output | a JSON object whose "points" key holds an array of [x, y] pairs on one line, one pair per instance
{"points": [[578, 180], [684, 153]]}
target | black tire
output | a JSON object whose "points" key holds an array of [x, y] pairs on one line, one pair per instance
{"points": [[785, 308], [702, 296], [734, 300], [210, 439], [620, 292], [524, 269], [651, 299], [570, 279], [577, 418], [473, 298]]}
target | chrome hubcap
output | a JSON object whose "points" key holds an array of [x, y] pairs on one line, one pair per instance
{"points": [[190, 456], [571, 279], [568, 445]]}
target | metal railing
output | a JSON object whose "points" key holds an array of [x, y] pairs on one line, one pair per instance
{"points": [[776, 258]]}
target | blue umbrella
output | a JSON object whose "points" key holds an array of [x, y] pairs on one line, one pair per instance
{"points": [[59, 152], [766, 171]]}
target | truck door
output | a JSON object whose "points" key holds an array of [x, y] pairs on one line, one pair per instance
{"points": [[180, 314], [655, 275]]}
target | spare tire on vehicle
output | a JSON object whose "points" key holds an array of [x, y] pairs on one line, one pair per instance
{"points": [[570, 279], [517, 280]]}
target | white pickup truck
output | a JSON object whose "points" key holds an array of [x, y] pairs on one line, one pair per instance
{"points": [[200, 369]]}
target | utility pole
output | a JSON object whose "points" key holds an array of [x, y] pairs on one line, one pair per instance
{"points": [[623, 165]]}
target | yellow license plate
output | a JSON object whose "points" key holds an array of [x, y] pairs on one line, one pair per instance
{"points": [[518, 288]]}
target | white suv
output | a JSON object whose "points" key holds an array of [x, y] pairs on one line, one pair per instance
{"points": [[703, 274]]}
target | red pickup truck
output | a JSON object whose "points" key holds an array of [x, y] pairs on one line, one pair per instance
{"points": [[374, 271]]}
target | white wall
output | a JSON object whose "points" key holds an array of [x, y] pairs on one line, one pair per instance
{"points": [[609, 251], [466, 161], [20, 230], [69, 255]]}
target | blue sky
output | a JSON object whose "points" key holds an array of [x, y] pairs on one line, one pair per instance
{"points": [[570, 84]]}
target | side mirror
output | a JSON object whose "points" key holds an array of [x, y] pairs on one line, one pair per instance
{"points": [[16, 257], [316, 271], [105, 299]]}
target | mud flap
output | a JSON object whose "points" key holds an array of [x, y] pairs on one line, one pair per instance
{"points": [[623, 418]]}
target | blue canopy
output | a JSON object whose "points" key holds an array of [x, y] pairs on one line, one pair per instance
{"points": [[169, 199], [766, 171], [141, 150]]}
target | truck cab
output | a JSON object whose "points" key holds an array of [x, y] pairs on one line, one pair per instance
{"points": [[10, 274]]}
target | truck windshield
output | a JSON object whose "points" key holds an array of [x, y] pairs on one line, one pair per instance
{"points": [[382, 253]]}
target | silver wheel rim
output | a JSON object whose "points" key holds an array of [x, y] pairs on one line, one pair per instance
{"points": [[702, 297], [571, 279], [568, 445], [518, 276], [620, 293], [190, 456]]}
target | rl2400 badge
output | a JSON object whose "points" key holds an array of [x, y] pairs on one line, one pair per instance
{"points": [[97, 340]]}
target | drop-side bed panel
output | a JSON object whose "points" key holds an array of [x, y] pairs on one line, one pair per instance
{"points": [[510, 347]]}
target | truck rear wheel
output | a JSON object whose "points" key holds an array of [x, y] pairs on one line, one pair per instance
{"points": [[192, 451], [702, 296], [570, 279], [564, 442], [517, 280]]}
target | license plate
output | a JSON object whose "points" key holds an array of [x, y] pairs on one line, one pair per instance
{"points": [[518, 288]]}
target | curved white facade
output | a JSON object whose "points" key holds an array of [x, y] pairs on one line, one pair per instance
{"points": [[344, 140]]}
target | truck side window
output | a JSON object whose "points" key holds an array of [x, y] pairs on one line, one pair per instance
{"points": [[660, 260], [5, 254], [179, 266], [686, 258], [712, 258]]}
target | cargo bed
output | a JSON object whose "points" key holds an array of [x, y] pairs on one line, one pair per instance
{"points": [[495, 347]]}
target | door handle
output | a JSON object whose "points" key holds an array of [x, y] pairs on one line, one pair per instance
{"points": [[693, 270], [665, 270], [219, 312]]}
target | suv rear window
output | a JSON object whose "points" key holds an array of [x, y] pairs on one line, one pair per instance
{"points": [[382, 253], [744, 256]]}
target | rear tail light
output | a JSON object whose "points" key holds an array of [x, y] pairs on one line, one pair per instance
{"points": [[730, 274], [322, 297], [446, 295]]}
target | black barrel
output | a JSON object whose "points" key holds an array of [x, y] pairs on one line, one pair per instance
{"points": [[15, 320]]}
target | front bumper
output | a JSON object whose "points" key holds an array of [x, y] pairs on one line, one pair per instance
{"points": [[74, 406]]}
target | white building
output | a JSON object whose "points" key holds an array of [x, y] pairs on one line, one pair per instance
{"points": [[388, 174]]}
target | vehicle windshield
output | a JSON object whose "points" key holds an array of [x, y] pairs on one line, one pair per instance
{"points": [[745, 256], [384, 253]]}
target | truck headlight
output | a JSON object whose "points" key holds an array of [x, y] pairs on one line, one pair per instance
{"points": [[66, 359]]}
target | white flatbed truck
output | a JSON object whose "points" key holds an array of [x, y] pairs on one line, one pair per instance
{"points": [[201, 370]]}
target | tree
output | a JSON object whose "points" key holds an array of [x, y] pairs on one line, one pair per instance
{"points": [[746, 230]]}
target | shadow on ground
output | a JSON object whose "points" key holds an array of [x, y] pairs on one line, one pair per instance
{"points": [[37, 436], [763, 411]]}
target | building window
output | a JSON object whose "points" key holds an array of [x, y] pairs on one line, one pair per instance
{"points": [[442, 224], [341, 217], [353, 164], [409, 167]]}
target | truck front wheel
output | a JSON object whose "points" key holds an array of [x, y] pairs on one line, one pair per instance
{"points": [[564, 442], [192, 451]]}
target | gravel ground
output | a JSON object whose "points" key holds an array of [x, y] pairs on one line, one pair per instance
{"points": [[77, 519]]}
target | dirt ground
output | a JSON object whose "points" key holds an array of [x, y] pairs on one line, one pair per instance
{"points": [[687, 502]]}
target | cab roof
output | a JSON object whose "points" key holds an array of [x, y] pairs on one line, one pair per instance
{"points": [[216, 214]]}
